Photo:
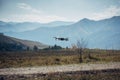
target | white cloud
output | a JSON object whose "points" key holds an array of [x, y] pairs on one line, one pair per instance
{"points": [[24, 6], [32, 15], [28, 7], [107, 13]]}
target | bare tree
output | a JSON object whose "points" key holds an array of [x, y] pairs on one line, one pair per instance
{"points": [[81, 46]]}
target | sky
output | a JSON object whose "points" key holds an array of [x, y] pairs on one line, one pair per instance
{"points": [[45, 11]]}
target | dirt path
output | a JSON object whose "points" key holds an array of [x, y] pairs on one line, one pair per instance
{"points": [[59, 68]]}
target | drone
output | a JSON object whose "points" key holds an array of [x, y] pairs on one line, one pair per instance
{"points": [[61, 39]]}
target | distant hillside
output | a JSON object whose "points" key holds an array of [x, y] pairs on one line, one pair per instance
{"points": [[13, 44], [99, 34], [28, 26], [58, 23]]}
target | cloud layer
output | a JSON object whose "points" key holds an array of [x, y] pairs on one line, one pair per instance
{"points": [[107, 13], [32, 15], [28, 13]]}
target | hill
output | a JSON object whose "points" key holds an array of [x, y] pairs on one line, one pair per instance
{"points": [[13, 44]]}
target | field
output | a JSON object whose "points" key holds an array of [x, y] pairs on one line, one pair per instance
{"points": [[60, 57], [56, 57]]}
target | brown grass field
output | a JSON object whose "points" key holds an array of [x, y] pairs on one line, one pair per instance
{"points": [[55, 57], [60, 57]]}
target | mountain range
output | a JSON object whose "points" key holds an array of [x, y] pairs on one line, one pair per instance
{"points": [[27, 26], [103, 34]]}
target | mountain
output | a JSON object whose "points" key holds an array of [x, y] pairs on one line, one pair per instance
{"points": [[13, 44], [58, 23], [28, 26], [99, 34]]}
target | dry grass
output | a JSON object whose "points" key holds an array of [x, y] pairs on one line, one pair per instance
{"points": [[24, 59]]}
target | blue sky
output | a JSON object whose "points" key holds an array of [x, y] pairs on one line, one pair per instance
{"points": [[45, 11]]}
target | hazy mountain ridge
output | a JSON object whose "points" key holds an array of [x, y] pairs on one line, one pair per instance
{"points": [[99, 34], [28, 26]]}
